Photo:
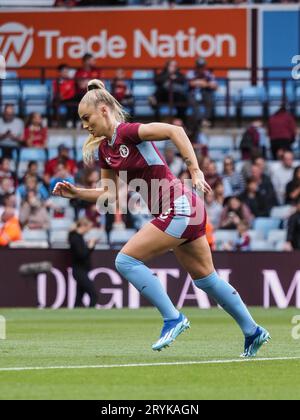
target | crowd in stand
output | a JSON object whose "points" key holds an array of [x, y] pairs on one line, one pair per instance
{"points": [[239, 195]]}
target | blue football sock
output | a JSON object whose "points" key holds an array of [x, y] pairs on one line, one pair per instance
{"points": [[147, 284], [227, 297]]}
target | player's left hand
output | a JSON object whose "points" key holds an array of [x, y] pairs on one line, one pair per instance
{"points": [[199, 183]]}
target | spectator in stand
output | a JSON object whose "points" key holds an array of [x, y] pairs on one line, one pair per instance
{"points": [[9, 200], [175, 163], [10, 230], [35, 134], [282, 175], [219, 193], [234, 213], [214, 209], [243, 242], [170, 89], [120, 89], [235, 180], [282, 132], [293, 235], [203, 86], [258, 161], [7, 186], [33, 213], [32, 170], [265, 186], [11, 132], [64, 92], [293, 188], [254, 142], [211, 174], [61, 174], [85, 74], [31, 184], [64, 158], [255, 200], [5, 169]]}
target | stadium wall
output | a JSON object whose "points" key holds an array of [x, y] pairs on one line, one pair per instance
{"points": [[263, 279]]}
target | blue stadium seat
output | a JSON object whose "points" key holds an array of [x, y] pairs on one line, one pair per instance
{"points": [[36, 98], [276, 236], [55, 140], [26, 155], [222, 143], [143, 74], [53, 153], [11, 92], [143, 90], [143, 110], [265, 225], [252, 99]]}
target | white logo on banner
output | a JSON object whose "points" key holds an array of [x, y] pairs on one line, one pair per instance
{"points": [[16, 44]]}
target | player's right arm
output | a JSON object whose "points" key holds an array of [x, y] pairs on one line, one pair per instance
{"points": [[67, 190]]}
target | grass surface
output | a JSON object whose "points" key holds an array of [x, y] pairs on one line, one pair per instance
{"points": [[89, 337]]}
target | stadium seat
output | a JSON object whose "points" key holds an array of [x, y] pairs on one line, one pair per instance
{"points": [[223, 143], [225, 236], [35, 235], [98, 234], [60, 202], [276, 236], [261, 245], [53, 153], [143, 74], [121, 236], [59, 239], [256, 235], [252, 99], [11, 93], [283, 212], [29, 245], [35, 98], [80, 140], [55, 140], [265, 225], [143, 90], [61, 224], [29, 154], [143, 110]]}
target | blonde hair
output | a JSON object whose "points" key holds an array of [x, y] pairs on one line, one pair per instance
{"points": [[97, 94]]}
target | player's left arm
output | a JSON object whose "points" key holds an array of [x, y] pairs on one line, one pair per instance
{"points": [[160, 131]]}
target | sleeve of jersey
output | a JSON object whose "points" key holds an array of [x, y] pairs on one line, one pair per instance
{"points": [[130, 133]]}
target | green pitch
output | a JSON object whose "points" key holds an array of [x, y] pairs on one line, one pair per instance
{"points": [[120, 337]]}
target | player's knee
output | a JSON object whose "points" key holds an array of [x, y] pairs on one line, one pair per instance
{"points": [[124, 263]]}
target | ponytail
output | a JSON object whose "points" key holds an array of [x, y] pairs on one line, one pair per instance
{"points": [[96, 95]]}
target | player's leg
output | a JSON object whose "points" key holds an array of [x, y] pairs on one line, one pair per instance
{"points": [[148, 243], [196, 258]]}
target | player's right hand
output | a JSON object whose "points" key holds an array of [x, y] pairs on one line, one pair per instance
{"points": [[65, 189]]}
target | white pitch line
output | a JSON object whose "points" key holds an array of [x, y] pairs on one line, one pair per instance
{"points": [[187, 363]]}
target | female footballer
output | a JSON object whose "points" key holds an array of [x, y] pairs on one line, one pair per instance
{"points": [[178, 224]]}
